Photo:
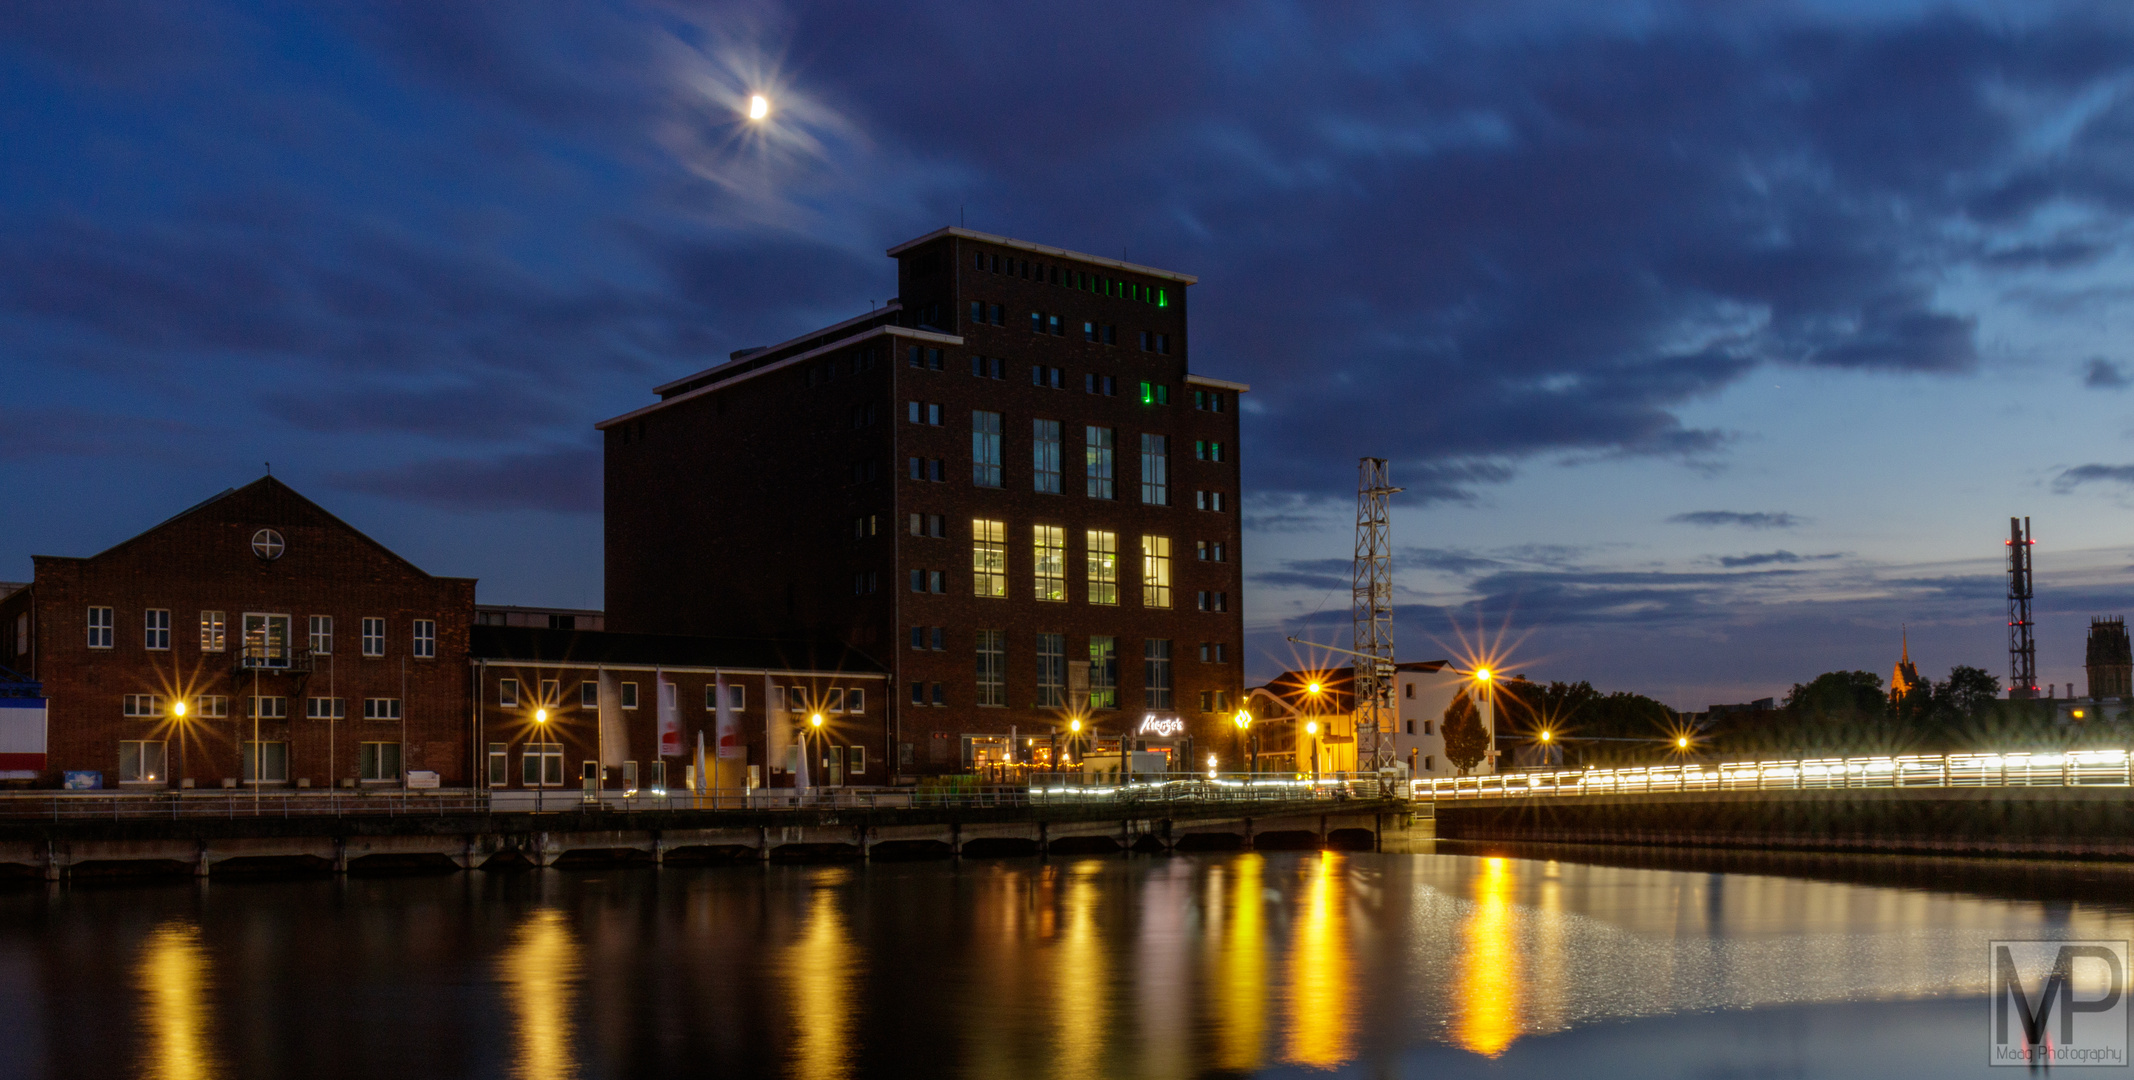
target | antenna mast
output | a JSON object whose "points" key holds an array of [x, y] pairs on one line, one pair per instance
{"points": [[2022, 651], [1372, 608]]}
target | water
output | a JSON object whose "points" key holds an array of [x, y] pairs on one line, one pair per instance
{"points": [[1439, 965]]}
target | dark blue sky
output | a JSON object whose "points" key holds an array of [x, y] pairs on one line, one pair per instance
{"points": [[1712, 342]]}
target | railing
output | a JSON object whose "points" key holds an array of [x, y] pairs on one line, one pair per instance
{"points": [[2077, 768], [1042, 790]]}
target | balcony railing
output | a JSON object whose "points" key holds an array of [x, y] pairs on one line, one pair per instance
{"points": [[273, 659]]}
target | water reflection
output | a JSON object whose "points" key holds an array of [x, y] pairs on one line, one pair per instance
{"points": [[1319, 991], [1241, 975], [1489, 966], [539, 973], [819, 969], [1080, 979], [174, 981]]}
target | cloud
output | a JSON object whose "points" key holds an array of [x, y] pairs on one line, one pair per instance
{"points": [[1757, 520], [2102, 374], [562, 480], [2069, 479], [1769, 557]]}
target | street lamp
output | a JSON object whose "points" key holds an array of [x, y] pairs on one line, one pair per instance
{"points": [[1311, 728], [541, 744], [815, 721], [177, 712]]}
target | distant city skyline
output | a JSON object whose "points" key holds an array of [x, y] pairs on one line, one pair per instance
{"points": [[1711, 346]]}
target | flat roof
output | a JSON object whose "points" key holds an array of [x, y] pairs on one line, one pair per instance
{"points": [[1219, 384], [530, 645], [886, 331], [1042, 249]]}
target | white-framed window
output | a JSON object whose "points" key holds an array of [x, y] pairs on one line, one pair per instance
{"points": [[589, 694], [1156, 672], [989, 558], [381, 708], [1156, 470], [426, 639], [1103, 567], [374, 637], [992, 667], [859, 759], [141, 761], [213, 705], [541, 765], [322, 635], [551, 693], [834, 700], [155, 629], [629, 695], [1045, 456], [143, 705], [1097, 462], [100, 626], [985, 448], [378, 761], [214, 631], [269, 707], [1156, 571], [499, 765], [265, 762], [326, 708], [1051, 670], [1049, 546], [507, 693], [737, 696], [797, 699]]}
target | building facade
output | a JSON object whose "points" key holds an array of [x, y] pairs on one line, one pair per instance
{"points": [[254, 639], [1007, 488], [1287, 706], [639, 712]]}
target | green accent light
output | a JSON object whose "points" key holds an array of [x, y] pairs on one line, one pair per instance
{"points": [[1163, 299], [1148, 394]]}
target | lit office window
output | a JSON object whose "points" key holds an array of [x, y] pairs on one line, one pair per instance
{"points": [[1103, 567], [1156, 571], [1049, 544], [989, 558]]}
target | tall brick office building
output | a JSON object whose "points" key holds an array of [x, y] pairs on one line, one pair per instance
{"points": [[1004, 486], [298, 646]]}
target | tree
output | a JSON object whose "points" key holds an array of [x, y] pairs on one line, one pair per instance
{"points": [[1466, 744], [1969, 692], [1839, 695]]}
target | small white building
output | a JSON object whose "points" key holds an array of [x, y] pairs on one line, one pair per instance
{"points": [[1422, 691]]}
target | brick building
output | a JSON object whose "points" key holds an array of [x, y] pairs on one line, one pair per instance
{"points": [[1006, 487], [253, 633], [554, 706]]}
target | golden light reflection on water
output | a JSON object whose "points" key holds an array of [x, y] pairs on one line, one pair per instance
{"points": [[174, 981], [539, 972], [1488, 983], [819, 970], [1241, 976], [1079, 1001], [1319, 992]]}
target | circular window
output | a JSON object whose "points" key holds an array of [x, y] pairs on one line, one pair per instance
{"points": [[267, 544]]}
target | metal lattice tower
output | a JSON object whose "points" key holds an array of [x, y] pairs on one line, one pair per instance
{"points": [[1372, 608], [2022, 651]]}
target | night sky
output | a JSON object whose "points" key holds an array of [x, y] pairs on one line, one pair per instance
{"points": [[1711, 342]]}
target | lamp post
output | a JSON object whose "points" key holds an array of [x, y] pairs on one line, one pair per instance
{"points": [[1486, 711], [1311, 728], [1243, 720], [814, 781], [541, 744], [177, 714]]}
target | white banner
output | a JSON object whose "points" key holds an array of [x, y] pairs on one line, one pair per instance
{"points": [[670, 718], [728, 728]]}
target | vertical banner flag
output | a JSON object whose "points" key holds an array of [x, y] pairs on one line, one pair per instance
{"points": [[670, 719], [699, 779], [729, 726]]}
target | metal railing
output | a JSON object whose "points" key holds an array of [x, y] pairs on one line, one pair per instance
{"points": [[2077, 768], [1043, 789]]}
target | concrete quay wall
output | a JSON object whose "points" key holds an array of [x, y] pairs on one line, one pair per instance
{"points": [[56, 849]]}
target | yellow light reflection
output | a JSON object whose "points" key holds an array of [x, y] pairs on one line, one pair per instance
{"points": [[1489, 966], [1319, 1004], [1079, 1004], [1241, 983], [539, 972], [174, 981], [819, 974]]}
